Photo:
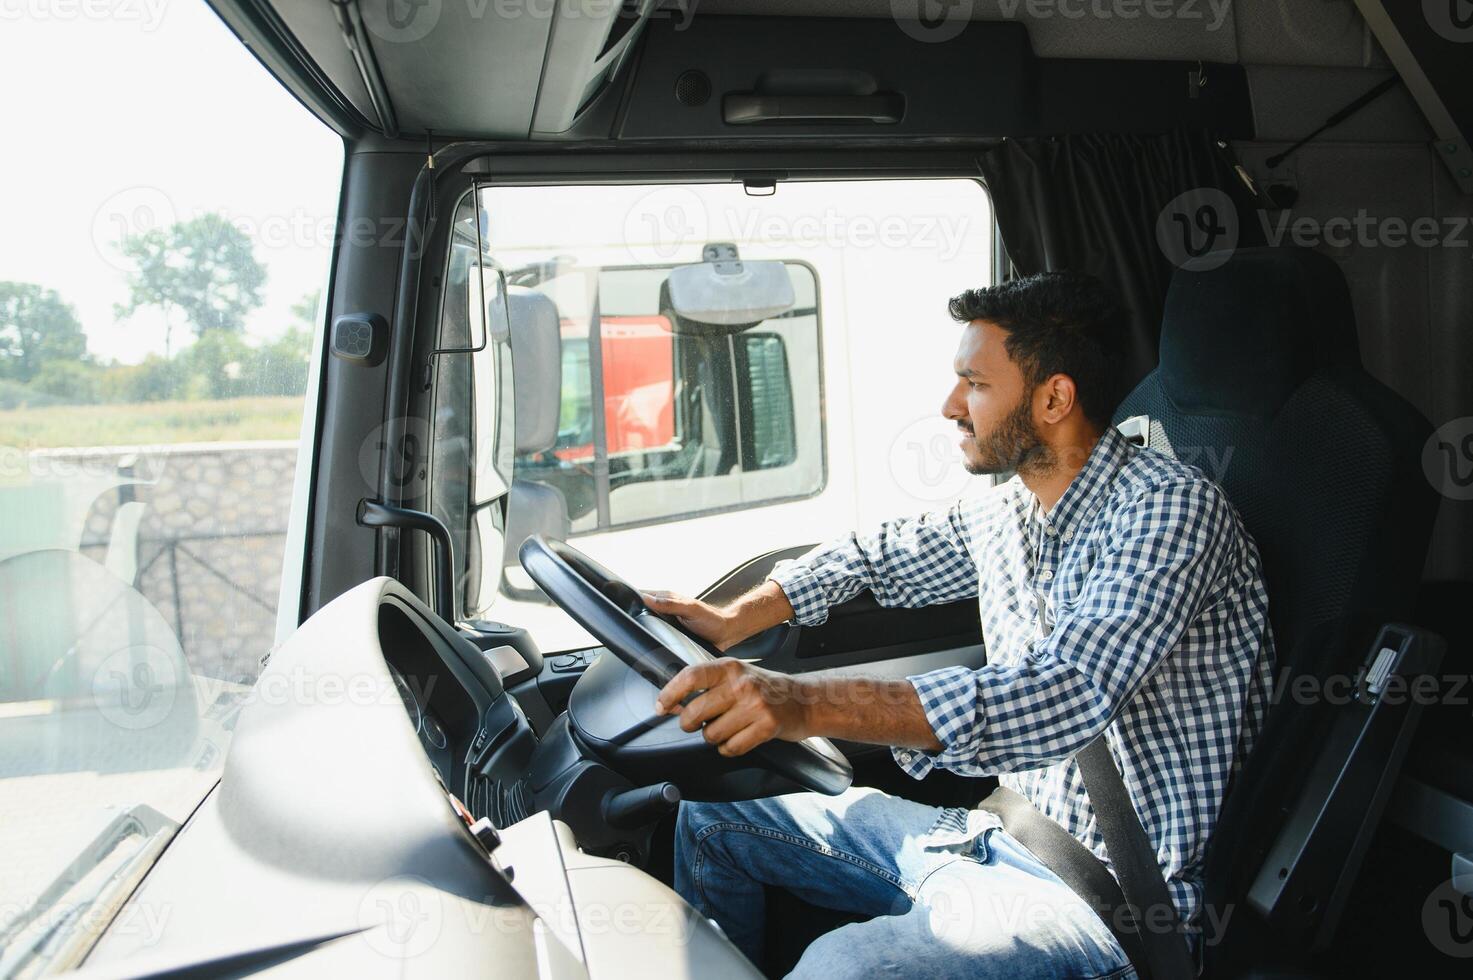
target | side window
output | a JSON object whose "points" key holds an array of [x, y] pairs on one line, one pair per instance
{"points": [[158, 318], [694, 420]]}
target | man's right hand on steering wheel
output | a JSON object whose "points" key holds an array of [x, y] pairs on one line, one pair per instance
{"points": [[725, 626], [744, 705]]}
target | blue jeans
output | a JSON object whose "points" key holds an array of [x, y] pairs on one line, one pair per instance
{"points": [[941, 903]]}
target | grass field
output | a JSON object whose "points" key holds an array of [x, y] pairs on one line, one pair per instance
{"points": [[148, 423]]}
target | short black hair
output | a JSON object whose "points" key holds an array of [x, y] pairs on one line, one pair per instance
{"points": [[1058, 323]]}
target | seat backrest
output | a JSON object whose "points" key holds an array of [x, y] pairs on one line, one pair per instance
{"points": [[1260, 385]]}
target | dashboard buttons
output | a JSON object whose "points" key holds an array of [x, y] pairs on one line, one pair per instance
{"points": [[567, 663]]}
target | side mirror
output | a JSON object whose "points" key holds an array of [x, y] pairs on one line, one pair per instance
{"points": [[534, 508], [724, 291]]}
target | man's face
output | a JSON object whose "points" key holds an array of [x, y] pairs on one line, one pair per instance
{"points": [[992, 404]]}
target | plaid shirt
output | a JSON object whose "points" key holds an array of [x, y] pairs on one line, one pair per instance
{"points": [[1135, 607]]}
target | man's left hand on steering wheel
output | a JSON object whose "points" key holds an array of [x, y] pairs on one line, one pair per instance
{"points": [[742, 705]]}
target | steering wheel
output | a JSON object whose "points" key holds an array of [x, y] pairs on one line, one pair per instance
{"points": [[655, 649]]}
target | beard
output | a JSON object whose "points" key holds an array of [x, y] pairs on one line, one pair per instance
{"points": [[1013, 444]]}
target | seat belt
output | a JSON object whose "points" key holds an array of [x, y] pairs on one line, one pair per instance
{"points": [[1063, 854], [1140, 898], [1134, 858], [1156, 954]]}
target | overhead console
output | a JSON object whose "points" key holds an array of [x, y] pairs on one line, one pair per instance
{"points": [[743, 77], [479, 69], [628, 71], [585, 49]]}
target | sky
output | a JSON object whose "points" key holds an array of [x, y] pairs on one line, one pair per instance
{"points": [[118, 114]]}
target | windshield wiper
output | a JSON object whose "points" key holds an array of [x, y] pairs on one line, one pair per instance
{"points": [[83, 899]]}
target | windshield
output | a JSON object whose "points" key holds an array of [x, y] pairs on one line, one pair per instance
{"points": [[159, 297], [696, 369]]}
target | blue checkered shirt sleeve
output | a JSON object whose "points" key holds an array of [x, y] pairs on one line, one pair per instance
{"points": [[913, 561], [1163, 560]]}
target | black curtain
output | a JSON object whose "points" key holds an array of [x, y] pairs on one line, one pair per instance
{"points": [[1093, 204]]}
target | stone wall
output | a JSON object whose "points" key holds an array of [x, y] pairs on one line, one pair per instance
{"points": [[201, 529]]}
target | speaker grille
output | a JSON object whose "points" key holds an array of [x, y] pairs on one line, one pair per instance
{"points": [[692, 88]]}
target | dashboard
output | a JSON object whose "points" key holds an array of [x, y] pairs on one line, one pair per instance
{"points": [[475, 735], [430, 730], [329, 846]]}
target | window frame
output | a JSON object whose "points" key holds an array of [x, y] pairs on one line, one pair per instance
{"points": [[489, 164], [496, 504]]}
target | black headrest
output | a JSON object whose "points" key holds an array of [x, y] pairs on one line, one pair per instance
{"points": [[1239, 338]]}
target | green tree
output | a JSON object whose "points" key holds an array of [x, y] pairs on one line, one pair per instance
{"points": [[153, 379], [205, 269], [37, 327], [304, 310], [218, 366], [68, 381], [280, 365]]}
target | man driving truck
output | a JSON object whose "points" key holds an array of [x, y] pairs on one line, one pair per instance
{"points": [[1119, 594]]}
